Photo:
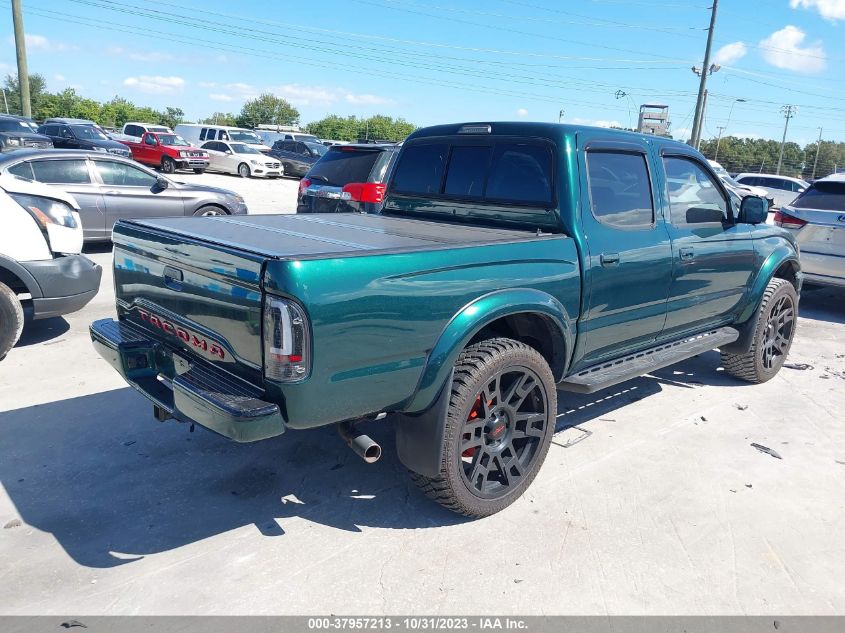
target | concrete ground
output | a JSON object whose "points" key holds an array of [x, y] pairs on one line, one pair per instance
{"points": [[651, 501], [262, 195]]}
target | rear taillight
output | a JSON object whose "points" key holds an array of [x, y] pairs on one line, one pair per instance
{"points": [[303, 185], [364, 192], [287, 350], [787, 221]]}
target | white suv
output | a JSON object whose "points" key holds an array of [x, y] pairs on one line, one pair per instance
{"points": [[40, 260], [782, 189]]}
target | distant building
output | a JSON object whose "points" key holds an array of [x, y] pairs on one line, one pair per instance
{"points": [[654, 119]]}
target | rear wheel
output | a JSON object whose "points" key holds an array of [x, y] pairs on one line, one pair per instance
{"points": [[500, 422], [243, 170], [11, 319], [774, 330], [209, 210], [168, 165]]}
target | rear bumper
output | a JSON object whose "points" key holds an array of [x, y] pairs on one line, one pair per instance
{"points": [[67, 284], [190, 391], [823, 269]]}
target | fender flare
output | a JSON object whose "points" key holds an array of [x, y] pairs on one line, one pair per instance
{"points": [[23, 274], [745, 321], [421, 425]]}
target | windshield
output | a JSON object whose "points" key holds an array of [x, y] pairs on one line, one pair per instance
{"points": [[317, 148], [173, 139], [730, 181], [88, 133], [240, 148], [824, 196], [244, 137], [8, 125]]}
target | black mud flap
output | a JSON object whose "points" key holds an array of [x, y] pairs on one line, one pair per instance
{"points": [[419, 438]]}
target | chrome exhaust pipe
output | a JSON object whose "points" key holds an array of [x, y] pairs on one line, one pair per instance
{"points": [[363, 445]]}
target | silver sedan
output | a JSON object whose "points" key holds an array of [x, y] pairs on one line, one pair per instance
{"points": [[817, 217]]}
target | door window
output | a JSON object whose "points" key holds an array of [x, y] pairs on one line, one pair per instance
{"points": [[468, 171], [21, 170], [70, 172], [123, 175], [66, 132], [694, 197], [149, 140], [620, 189]]}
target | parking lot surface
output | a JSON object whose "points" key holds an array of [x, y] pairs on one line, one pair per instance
{"points": [[652, 499], [262, 195]]}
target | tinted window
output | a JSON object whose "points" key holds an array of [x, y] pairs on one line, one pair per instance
{"points": [[123, 175], [61, 171], [620, 189], [133, 130], [420, 169], [520, 173], [752, 181], [826, 196], [694, 197], [467, 171], [339, 167], [22, 170]]}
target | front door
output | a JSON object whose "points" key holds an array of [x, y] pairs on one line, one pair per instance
{"points": [[629, 254], [714, 258], [72, 175], [132, 192]]}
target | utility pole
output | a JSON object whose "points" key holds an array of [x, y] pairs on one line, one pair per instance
{"points": [[816, 162], [560, 116], [20, 50], [699, 104], [6, 103], [721, 129], [788, 111]]}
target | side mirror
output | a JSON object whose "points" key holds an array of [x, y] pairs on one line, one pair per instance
{"points": [[801, 190], [228, 151], [162, 183], [753, 210]]}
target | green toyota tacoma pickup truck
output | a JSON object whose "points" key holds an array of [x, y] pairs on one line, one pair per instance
{"points": [[512, 262]]}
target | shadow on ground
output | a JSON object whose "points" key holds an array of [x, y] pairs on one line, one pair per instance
{"points": [[823, 304], [112, 485], [41, 331]]}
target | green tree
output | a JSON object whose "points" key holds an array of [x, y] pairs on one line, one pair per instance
{"points": [[267, 109], [220, 118], [171, 117], [352, 128], [37, 92]]}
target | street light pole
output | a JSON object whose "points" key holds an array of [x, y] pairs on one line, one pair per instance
{"points": [[816, 162], [699, 104], [789, 111], [560, 116], [722, 128]]}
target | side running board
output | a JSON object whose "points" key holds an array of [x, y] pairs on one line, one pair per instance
{"points": [[613, 372]]}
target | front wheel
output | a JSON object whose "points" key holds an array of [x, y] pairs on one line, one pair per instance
{"points": [[243, 170], [209, 211], [11, 319], [500, 422], [168, 165], [199, 170], [774, 330]]}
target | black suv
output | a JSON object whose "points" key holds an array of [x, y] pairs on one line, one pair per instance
{"points": [[81, 136], [347, 178], [297, 157], [17, 132]]}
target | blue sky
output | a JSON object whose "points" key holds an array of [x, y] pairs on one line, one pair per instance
{"points": [[439, 61]]}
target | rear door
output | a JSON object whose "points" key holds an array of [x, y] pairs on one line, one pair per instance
{"points": [[714, 258], [132, 192], [215, 155], [629, 261], [73, 175]]}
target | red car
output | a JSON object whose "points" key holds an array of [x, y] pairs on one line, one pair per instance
{"points": [[168, 152]]}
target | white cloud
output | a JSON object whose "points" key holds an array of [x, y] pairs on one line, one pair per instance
{"points": [[40, 43], [594, 122], [59, 77], [521, 112], [783, 49], [365, 99], [300, 95], [240, 87], [730, 53], [154, 84], [151, 57], [116, 50], [829, 9], [220, 96], [207, 84]]}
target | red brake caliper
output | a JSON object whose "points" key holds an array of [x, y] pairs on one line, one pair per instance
{"points": [[473, 414]]}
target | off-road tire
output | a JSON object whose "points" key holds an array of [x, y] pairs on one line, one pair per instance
{"points": [[168, 165], [244, 170], [759, 364], [476, 367], [11, 319]]}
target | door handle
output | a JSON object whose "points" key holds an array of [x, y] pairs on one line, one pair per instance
{"points": [[609, 259], [687, 253], [113, 192]]}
